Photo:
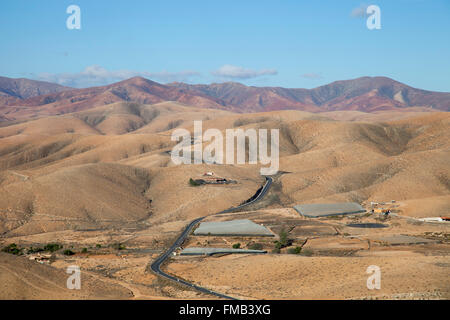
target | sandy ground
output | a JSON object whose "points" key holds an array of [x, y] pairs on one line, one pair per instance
{"points": [[298, 277], [25, 279]]}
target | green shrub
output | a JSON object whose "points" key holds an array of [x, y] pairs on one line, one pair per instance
{"points": [[255, 246], [98, 246], [194, 183], [295, 250], [306, 252], [68, 252], [278, 245], [52, 247], [236, 246], [284, 240], [118, 246], [13, 249], [34, 250], [276, 250], [84, 250]]}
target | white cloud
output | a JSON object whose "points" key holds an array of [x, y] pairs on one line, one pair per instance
{"points": [[96, 76], [235, 72], [311, 76], [359, 12]]}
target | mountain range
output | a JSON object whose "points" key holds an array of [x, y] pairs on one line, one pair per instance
{"points": [[24, 98]]}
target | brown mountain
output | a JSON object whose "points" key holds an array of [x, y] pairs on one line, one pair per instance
{"points": [[363, 94], [255, 99], [22, 88], [136, 89], [22, 98]]}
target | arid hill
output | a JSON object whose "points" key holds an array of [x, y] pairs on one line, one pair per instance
{"points": [[110, 165], [135, 89], [104, 175], [365, 94], [22, 99], [26, 280]]}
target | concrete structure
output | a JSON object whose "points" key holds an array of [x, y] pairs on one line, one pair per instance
{"points": [[397, 240], [243, 227], [316, 210], [434, 219], [194, 251]]}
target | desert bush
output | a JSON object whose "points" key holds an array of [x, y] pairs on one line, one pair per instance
{"points": [[295, 250], [52, 247], [306, 252], [34, 250], [283, 238], [278, 245], [68, 252], [236, 245], [194, 183], [255, 246], [118, 246], [13, 249]]}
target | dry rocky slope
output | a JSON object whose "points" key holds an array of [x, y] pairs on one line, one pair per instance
{"points": [[13, 91], [111, 164], [24, 88], [93, 175], [24, 279]]}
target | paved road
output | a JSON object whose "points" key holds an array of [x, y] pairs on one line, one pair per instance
{"points": [[156, 265]]}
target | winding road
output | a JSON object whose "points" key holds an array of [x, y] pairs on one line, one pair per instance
{"points": [[156, 265]]}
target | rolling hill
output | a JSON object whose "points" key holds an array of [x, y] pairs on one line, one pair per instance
{"points": [[104, 176], [22, 99], [135, 89], [364, 94], [107, 163]]}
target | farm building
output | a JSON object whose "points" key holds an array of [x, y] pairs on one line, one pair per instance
{"points": [[233, 228], [316, 210]]}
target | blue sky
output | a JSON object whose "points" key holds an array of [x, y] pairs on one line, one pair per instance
{"points": [[297, 43]]}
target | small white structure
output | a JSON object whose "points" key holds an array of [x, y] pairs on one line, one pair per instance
{"points": [[208, 174], [434, 219]]}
